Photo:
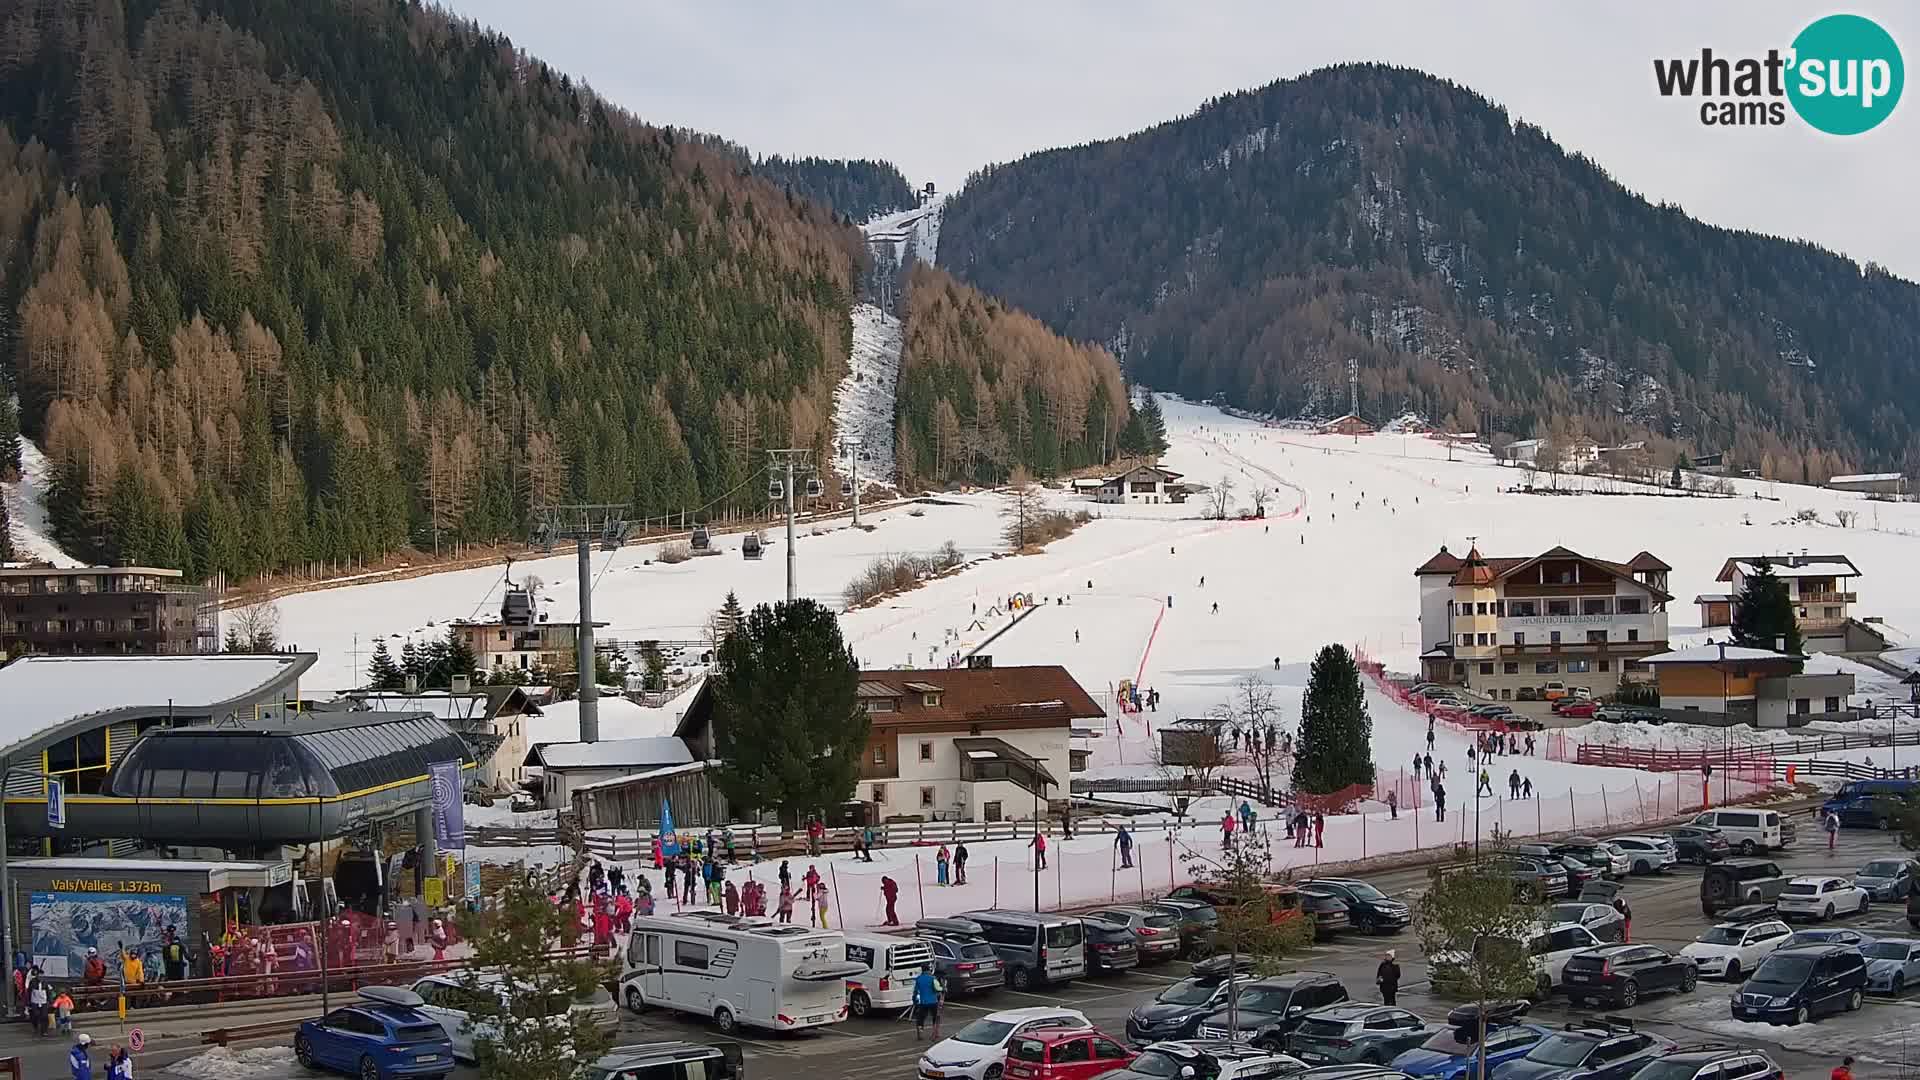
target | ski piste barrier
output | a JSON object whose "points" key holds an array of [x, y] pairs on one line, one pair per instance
{"points": [[1788, 748], [1457, 719]]}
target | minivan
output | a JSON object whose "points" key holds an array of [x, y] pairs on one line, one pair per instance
{"points": [[1797, 984], [1035, 949], [1733, 882], [1749, 831], [1870, 803]]}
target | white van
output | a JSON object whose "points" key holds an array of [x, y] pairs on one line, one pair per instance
{"points": [[737, 971], [888, 965], [1749, 831]]}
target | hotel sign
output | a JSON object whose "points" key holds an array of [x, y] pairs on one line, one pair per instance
{"points": [[1559, 620]]}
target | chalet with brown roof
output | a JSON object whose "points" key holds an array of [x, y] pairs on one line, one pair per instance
{"points": [[1511, 627]]}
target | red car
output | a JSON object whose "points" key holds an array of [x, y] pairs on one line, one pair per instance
{"points": [[1065, 1054], [1579, 708]]}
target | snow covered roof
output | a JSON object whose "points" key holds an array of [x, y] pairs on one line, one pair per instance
{"points": [[1712, 654], [1865, 478], [650, 774], [611, 754], [1714, 598], [1790, 566], [44, 694]]}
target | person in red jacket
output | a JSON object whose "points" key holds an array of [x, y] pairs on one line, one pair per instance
{"points": [[890, 891], [1844, 1070]]}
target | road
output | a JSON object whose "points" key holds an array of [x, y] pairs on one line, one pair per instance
{"points": [[1883, 1035]]}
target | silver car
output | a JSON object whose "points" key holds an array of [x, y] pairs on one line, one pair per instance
{"points": [[1893, 964], [1605, 921], [1886, 879]]}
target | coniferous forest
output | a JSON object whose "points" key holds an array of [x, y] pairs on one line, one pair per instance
{"points": [[286, 282], [1478, 274]]}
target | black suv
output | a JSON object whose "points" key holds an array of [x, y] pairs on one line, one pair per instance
{"points": [[1177, 1011], [1267, 1011], [1607, 1049], [1620, 975], [1368, 908], [1801, 983], [1732, 882], [1712, 1061]]}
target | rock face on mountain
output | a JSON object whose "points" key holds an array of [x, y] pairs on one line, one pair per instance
{"points": [[1474, 269]]}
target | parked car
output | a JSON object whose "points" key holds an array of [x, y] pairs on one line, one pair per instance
{"points": [[1749, 831], [1554, 691], [962, 957], [1065, 1054], [1649, 854], [1893, 964], [1604, 920], [1733, 882], [1176, 1012], [1802, 983], [1266, 1012], [1598, 1049], [1536, 878], [1870, 803], [1156, 933], [1712, 1061], [1695, 844], [1452, 1052], [448, 998], [1490, 710], [1618, 975], [1913, 909], [1198, 923], [1886, 879], [646, 1061], [980, 1048], [1603, 856], [1356, 1033], [1368, 908], [1216, 1059], [1577, 871], [1576, 708], [1328, 911], [1835, 935], [381, 1037], [1821, 898], [1110, 947], [1744, 914], [1730, 950], [1550, 948]]}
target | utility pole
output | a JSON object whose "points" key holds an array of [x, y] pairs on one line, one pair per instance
{"points": [[609, 523], [853, 457], [584, 660], [794, 462]]}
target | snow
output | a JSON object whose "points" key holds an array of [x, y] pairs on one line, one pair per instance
{"points": [[614, 753], [863, 402], [43, 691], [915, 231], [26, 506], [224, 1063]]}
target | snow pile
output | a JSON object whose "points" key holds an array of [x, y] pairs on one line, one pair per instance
{"points": [[26, 506], [225, 1063], [912, 234], [863, 402]]}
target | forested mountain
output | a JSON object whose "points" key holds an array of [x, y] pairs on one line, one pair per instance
{"points": [[290, 281], [984, 387], [1471, 266], [856, 189]]}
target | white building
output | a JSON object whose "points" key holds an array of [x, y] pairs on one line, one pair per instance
{"points": [[1823, 593], [493, 716], [1143, 484], [567, 767], [1890, 483]]}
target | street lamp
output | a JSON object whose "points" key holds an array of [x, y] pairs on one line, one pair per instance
{"points": [[1726, 732]]}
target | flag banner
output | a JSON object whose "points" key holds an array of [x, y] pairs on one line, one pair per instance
{"points": [[449, 823], [669, 843]]}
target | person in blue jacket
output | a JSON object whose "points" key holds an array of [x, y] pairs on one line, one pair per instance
{"points": [[77, 1060], [926, 1003]]}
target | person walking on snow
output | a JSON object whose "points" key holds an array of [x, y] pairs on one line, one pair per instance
{"points": [[1416, 764], [890, 892], [960, 864], [1319, 829], [1246, 815], [1039, 846], [1393, 804], [940, 865], [1123, 840], [785, 910], [1226, 829], [1486, 784], [1832, 825], [1439, 801], [1301, 826], [1387, 975], [866, 843], [1513, 784]]}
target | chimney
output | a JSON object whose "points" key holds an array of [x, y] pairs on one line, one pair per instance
{"points": [[413, 684], [462, 683]]}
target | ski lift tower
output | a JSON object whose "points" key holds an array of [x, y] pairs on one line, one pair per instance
{"points": [[850, 447], [584, 523], [791, 462]]}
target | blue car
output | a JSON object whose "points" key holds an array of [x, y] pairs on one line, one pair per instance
{"points": [[1450, 1053], [384, 1037]]}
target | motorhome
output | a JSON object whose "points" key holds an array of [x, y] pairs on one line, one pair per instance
{"points": [[737, 971], [891, 963]]}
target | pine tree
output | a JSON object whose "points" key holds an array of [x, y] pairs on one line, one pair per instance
{"points": [[789, 730], [1155, 423], [655, 664], [9, 436], [1336, 733], [1763, 615], [382, 672], [412, 664], [6, 531], [457, 657]]}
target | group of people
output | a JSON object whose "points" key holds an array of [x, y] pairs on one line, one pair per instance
{"points": [[1303, 828], [42, 1000], [1493, 743], [80, 1060]]}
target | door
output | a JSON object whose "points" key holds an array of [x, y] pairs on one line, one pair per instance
{"points": [[1070, 1059], [653, 978], [329, 1035], [1824, 990], [1107, 1055]]}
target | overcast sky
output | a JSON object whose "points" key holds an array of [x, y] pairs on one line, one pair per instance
{"points": [[942, 89]]}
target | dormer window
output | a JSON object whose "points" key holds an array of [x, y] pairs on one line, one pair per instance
{"points": [[931, 701]]}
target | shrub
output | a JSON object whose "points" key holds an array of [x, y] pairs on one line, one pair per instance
{"points": [[898, 573], [677, 552]]}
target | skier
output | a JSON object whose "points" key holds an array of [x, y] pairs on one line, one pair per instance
{"points": [[1226, 829], [890, 892], [1216, 607], [1486, 784], [1123, 840], [1393, 804], [1513, 784], [1529, 745], [1439, 801], [1319, 829], [1039, 846], [1416, 764], [1526, 788], [1276, 663]]}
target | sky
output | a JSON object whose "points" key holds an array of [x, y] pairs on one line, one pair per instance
{"points": [[944, 89]]}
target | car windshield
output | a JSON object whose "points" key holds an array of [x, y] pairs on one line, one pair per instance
{"points": [[1330, 1029], [1063, 936], [1159, 1063], [1882, 868], [976, 950], [1886, 950], [1800, 889], [1190, 992], [1669, 1070], [1722, 935], [1563, 1050], [1569, 912], [984, 1032], [1455, 1041], [1784, 969], [1264, 999], [1160, 922]]}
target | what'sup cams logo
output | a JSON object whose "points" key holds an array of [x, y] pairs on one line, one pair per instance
{"points": [[1842, 75]]}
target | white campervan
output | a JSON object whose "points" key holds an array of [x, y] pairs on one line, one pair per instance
{"points": [[890, 964], [749, 971]]}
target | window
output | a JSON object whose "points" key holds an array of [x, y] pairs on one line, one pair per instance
{"points": [[1559, 607], [1606, 665], [1103, 1049], [879, 754], [880, 793], [1483, 639], [879, 704], [1553, 637], [1076, 1050], [931, 701], [1500, 608], [926, 751], [1801, 706], [1546, 667], [1833, 704], [926, 796], [1487, 669], [1579, 667], [1596, 637], [1519, 638], [1525, 609], [1633, 635], [1511, 667], [1506, 694], [1466, 639], [1480, 608], [690, 954], [1631, 605], [1593, 605]]}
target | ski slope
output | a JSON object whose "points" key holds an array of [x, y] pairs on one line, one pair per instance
{"points": [[26, 507], [863, 402]]}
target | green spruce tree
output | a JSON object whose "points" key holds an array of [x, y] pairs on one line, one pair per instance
{"points": [[786, 722], [1155, 423], [412, 664], [457, 657], [1763, 616], [1336, 734], [382, 672], [9, 436]]}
